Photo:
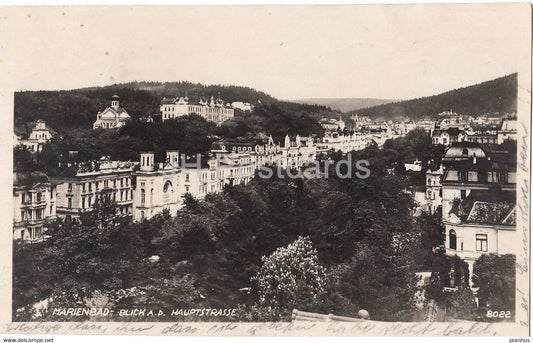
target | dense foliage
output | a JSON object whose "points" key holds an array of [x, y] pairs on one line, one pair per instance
{"points": [[495, 276], [497, 95], [76, 109], [209, 252]]}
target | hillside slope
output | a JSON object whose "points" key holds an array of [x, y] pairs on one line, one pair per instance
{"points": [[498, 95], [345, 104], [72, 109]]}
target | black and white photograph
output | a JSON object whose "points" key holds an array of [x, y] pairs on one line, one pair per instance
{"points": [[288, 170]]}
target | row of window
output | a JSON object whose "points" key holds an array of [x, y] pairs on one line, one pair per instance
{"points": [[481, 241], [88, 186], [27, 198], [33, 214]]}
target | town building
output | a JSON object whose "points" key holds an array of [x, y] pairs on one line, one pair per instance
{"points": [[479, 205], [78, 193], [243, 106], [34, 204], [345, 142], [214, 110], [163, 186], [157, 186], [112, 117], [39, 135], [433, 196], [483, 138], [448, 136], [507, 131], [331, 124]]}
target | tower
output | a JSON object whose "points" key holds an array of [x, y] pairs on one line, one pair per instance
{"points": [[115, 101], [147, 161]]}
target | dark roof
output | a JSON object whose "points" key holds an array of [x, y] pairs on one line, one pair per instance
{"points": [[29, 178], [486, 207]]}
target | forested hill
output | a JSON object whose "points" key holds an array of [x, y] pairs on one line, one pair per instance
{"points": [[71, 109], [497, 95]]}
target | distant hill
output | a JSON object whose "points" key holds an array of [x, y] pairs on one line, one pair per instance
{"points": [[345, 104], [71, 109], [495, 96]]}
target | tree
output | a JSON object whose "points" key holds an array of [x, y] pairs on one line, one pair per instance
{"points": [[495, 276], [291, 277]]}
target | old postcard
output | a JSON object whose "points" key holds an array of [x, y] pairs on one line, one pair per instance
{"points": [[344, 170]]}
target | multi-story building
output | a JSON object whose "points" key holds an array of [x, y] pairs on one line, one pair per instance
{"points": [[479, 205], [34, 198], [78, 193], [433, 197], [448, 136], [344, 142], [38, 137], [112, 117], [163, 185], [214, 110], [157, 186], [508, 130], [331, 124], [483, 138]]}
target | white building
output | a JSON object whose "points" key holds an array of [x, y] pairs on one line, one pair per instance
{"points": [[433, 197], [479, 206], [38, 137], [157, 186], [508, 130], [243, 106], [79, 192], [214, 110], [33, 205], [112, 117]]}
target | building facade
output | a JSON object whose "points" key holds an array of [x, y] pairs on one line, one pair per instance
{"points": [[38, 137], [78, 193], [112, 117], [34, 198], [479, 206], [214, 110]]}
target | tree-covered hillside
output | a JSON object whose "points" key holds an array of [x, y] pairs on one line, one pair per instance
{"points": [[497, 95], [76, 109]]}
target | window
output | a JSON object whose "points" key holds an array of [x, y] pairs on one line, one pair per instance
{"points": [[115, 183], [22, 215], [90, 187], [83, 187], [463, 176], [151, 196], [452, 239], [70, 187], [39, 196], [481, 242], [70, 202], [463, 193], [142, 196], [142, 214], [22, 198]]}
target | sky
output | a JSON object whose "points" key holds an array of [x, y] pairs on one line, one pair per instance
{"points": [[290, 52]]}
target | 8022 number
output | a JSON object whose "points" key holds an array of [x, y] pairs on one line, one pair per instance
{"points": [[498, 314]]}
